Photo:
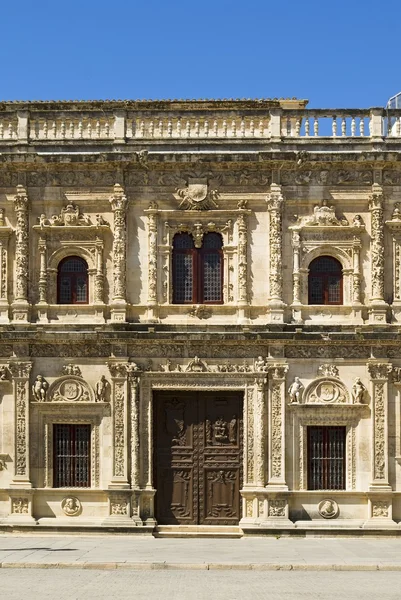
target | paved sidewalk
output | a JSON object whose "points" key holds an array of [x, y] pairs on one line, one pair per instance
{"points": [[126, 552]]}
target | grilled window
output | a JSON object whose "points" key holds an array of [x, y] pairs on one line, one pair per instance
{"points": [[73, 281], [71, 455], [325, 282], [197, 272], [326, 458]]}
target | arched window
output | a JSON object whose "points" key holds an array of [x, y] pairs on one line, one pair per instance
{"points": [[325, 282], [72, 281], [197, 272]]}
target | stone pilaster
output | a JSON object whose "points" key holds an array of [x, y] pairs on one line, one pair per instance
{"points": [[377, 305], [133, 383], [119, 203], [276, 424], [119, 397], [20, 306], [42, 305], [260, 432], [152, 261], [99, 277], [380, 493], [20, 372], [379, 374], [275, 203], [242, 268]]}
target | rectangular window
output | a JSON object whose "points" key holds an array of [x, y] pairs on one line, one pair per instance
{"points": [[71, 455], [326, 458]]}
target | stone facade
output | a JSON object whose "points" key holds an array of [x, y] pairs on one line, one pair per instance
{"points": [[112, 183]]}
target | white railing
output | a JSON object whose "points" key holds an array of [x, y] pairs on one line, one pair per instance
{"points": [[322, 123], [196, 127], [8, 127], [72, 127], [120, 126]]}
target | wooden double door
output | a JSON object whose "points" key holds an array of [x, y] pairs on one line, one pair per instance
{"points": [[198, 457]]}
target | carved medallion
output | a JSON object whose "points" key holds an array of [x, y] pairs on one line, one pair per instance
{"points": [[71, 506], [326, 391], [70, 389], [328, 509]]}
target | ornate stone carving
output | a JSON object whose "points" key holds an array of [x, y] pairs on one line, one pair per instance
{"points": [[328, 370], [276, 432], [119, 506], [39, 389], [326, 391], [249, 435], [327, 351], [22, 245], [3, 373], [42, 284], [70, 216], [242, 259], [200, 312], [380, 509], [197, 196], [72, 369], [123, 370], [277, 508], [295, 391], [379, 442], [119, 437], [70, 389], [135, 433], [152, 256], [71, 506], [275, 202], [196, 365], [377, 242], [118, 203], [328, 508], [20, 506], [379, 371], [260, 433], [261, 365], [324, 215]]}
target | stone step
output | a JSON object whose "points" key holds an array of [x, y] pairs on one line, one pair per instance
{"points": [[197, 531]]}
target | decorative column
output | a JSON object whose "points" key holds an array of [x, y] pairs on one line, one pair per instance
{"points": [[119, 396], [99, 279], [379, 374], [133, 383], [42, 305], [275, 207], [378, 307], [260, 432], [152, 213], [356, 275], [380, 496], [276, 433], [20, 372], [20, 306], [242, 268], [119, 203], [5, 232]]}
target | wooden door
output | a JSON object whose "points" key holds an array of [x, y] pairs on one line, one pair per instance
{"points": [[198, 457]]}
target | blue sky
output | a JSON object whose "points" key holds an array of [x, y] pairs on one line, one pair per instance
{"points": [[336, 54]]}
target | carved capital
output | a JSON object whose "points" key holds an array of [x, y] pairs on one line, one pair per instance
{"points": [[380, 371], [278, 372], [123, 370], [275, 198], [21, 202], [20, 370]]}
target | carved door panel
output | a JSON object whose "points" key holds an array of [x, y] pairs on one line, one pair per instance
{"points": [[220, 458], [198, 457]]}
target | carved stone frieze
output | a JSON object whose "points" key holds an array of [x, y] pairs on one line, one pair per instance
{"points": [[20, 506], [277, 507], [380, 509], [326, 391]]}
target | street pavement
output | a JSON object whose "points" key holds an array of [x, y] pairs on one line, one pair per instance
{"points": [[56, 584], [110, 552]]}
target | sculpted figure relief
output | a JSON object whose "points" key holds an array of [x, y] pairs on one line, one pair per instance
{"points": [[39, 389], [358, 391], [101, 389], [295, 391]]}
